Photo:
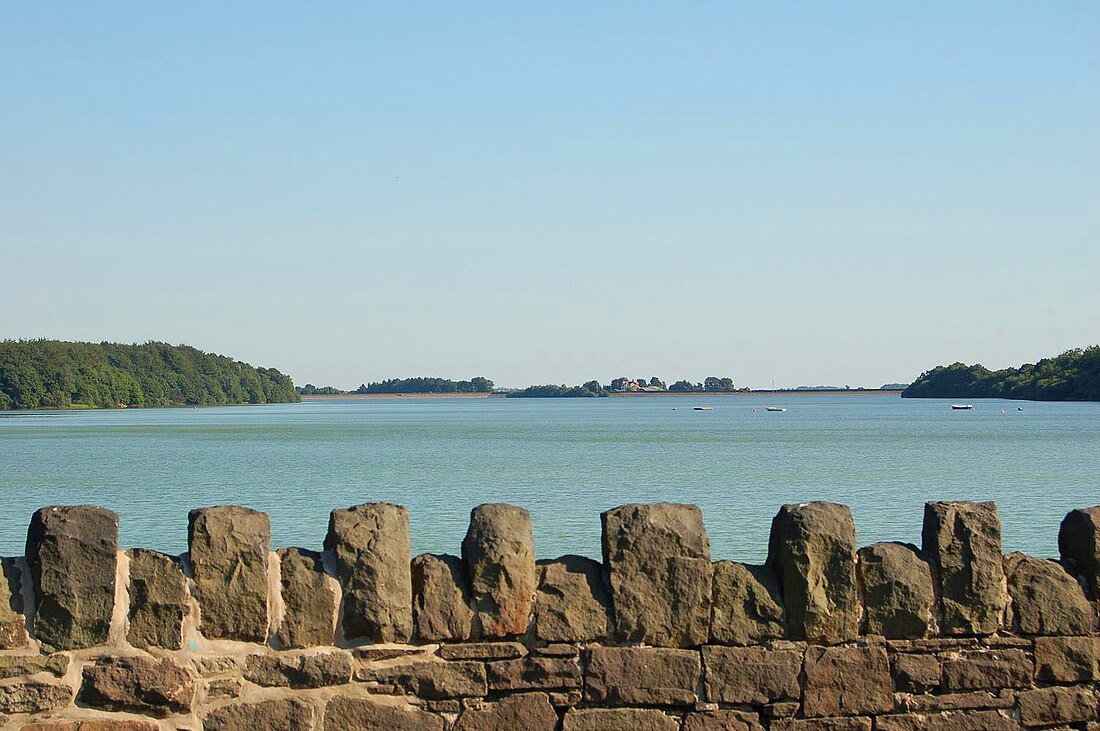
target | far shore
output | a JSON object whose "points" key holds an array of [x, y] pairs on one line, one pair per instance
{"points": [[625, 394]]}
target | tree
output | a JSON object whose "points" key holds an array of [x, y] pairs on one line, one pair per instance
{"points": [[657, 382]]}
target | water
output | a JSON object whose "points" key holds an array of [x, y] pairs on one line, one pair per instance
{"points": [[565, 460]]}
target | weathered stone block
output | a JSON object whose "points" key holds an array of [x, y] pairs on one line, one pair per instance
{"points": [[33, 697], [72, 553], [1045, 599], [299, 670], [642, 676], [96, 724], [430, 680], [747, 606], [13, 666], [1048, 706], [441, 599], [534, 673], [949, 721], [658, 561], [916, 673], [897, 590], [847, 681], [619, 719], [158, 600], [357, 714], [373, 555], [138, 684], [572, 604], [813, 550], [280, 714], [1079, 545], [228, 547], [13, 626], [722, 721], [1066, 659], [987, 670], [529, 712], [822, 724], [963, 541], [751, 675], [499, 552], [309, 602], [482, 651], [970, 700]]}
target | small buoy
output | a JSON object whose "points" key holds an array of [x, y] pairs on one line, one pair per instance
{"points": [[754, 411], [1002, 411]]}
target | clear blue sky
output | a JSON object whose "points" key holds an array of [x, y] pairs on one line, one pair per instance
{"points": [[799, 193]]}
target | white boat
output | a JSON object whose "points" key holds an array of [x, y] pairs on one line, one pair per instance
{"points": [[704, 408], [777, 408], [962, 407]]}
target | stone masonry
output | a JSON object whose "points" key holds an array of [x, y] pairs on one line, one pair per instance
{"points": [[825, 636]]}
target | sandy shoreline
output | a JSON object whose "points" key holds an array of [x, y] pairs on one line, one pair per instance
{"points": [[654, 394]]}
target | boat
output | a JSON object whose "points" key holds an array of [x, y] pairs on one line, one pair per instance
{"points": [[704, 408], [962, 407], [777, 408]]}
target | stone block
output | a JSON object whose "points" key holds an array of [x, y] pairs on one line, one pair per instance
{"points": [[534, 673], [228, 547], [897, 590], [139, 684], [309, 602], [499, 552], [279, 714], [1045, 599], [1079, 545], [747, 606], [812, 550], [357, 714], [619, 719], [13, 666], [373, 553], [441, 599], [987, 670], [963, 541], [1066, 659], [430, 680], [72, 554], [847, 681], [751, 675], [13, 625], [159, 600], [642, 676], [572, 604], [1049, 706], [722, 721], [33, 697], [658, 562], [299, 670], [916, 673], [949, 721], [94, 724], [970, 700], [528, 711], [822, 724], [482, 651]]}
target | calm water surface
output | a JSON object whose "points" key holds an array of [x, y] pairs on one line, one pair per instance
{"points": [[565, 460]]}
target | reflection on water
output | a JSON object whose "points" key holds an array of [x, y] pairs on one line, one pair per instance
{"points": [[564, 460]]}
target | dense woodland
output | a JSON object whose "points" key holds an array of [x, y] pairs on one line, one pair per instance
{"points": [[1072, 376], [37, 374], [427, 385]]}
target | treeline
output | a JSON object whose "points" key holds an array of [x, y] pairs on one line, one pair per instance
{"points": [[38, 374], [711, 384], [1072, 376], [310, 390], [428, 385]]}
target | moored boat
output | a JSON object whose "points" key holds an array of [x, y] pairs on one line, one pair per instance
{"points": [[962, 407], [777, 408]]}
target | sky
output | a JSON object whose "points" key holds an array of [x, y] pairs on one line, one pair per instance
{"points": [[787, 193]]}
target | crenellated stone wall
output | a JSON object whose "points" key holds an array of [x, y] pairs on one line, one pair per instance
{"points": [[824, 636]]}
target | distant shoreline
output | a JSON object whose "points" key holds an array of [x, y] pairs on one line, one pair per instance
{"points": [[627, 394]]}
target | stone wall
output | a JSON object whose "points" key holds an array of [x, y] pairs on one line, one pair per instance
{"points": [[822, 637]]}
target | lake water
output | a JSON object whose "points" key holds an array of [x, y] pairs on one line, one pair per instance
{"points": [[565, 460]]}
